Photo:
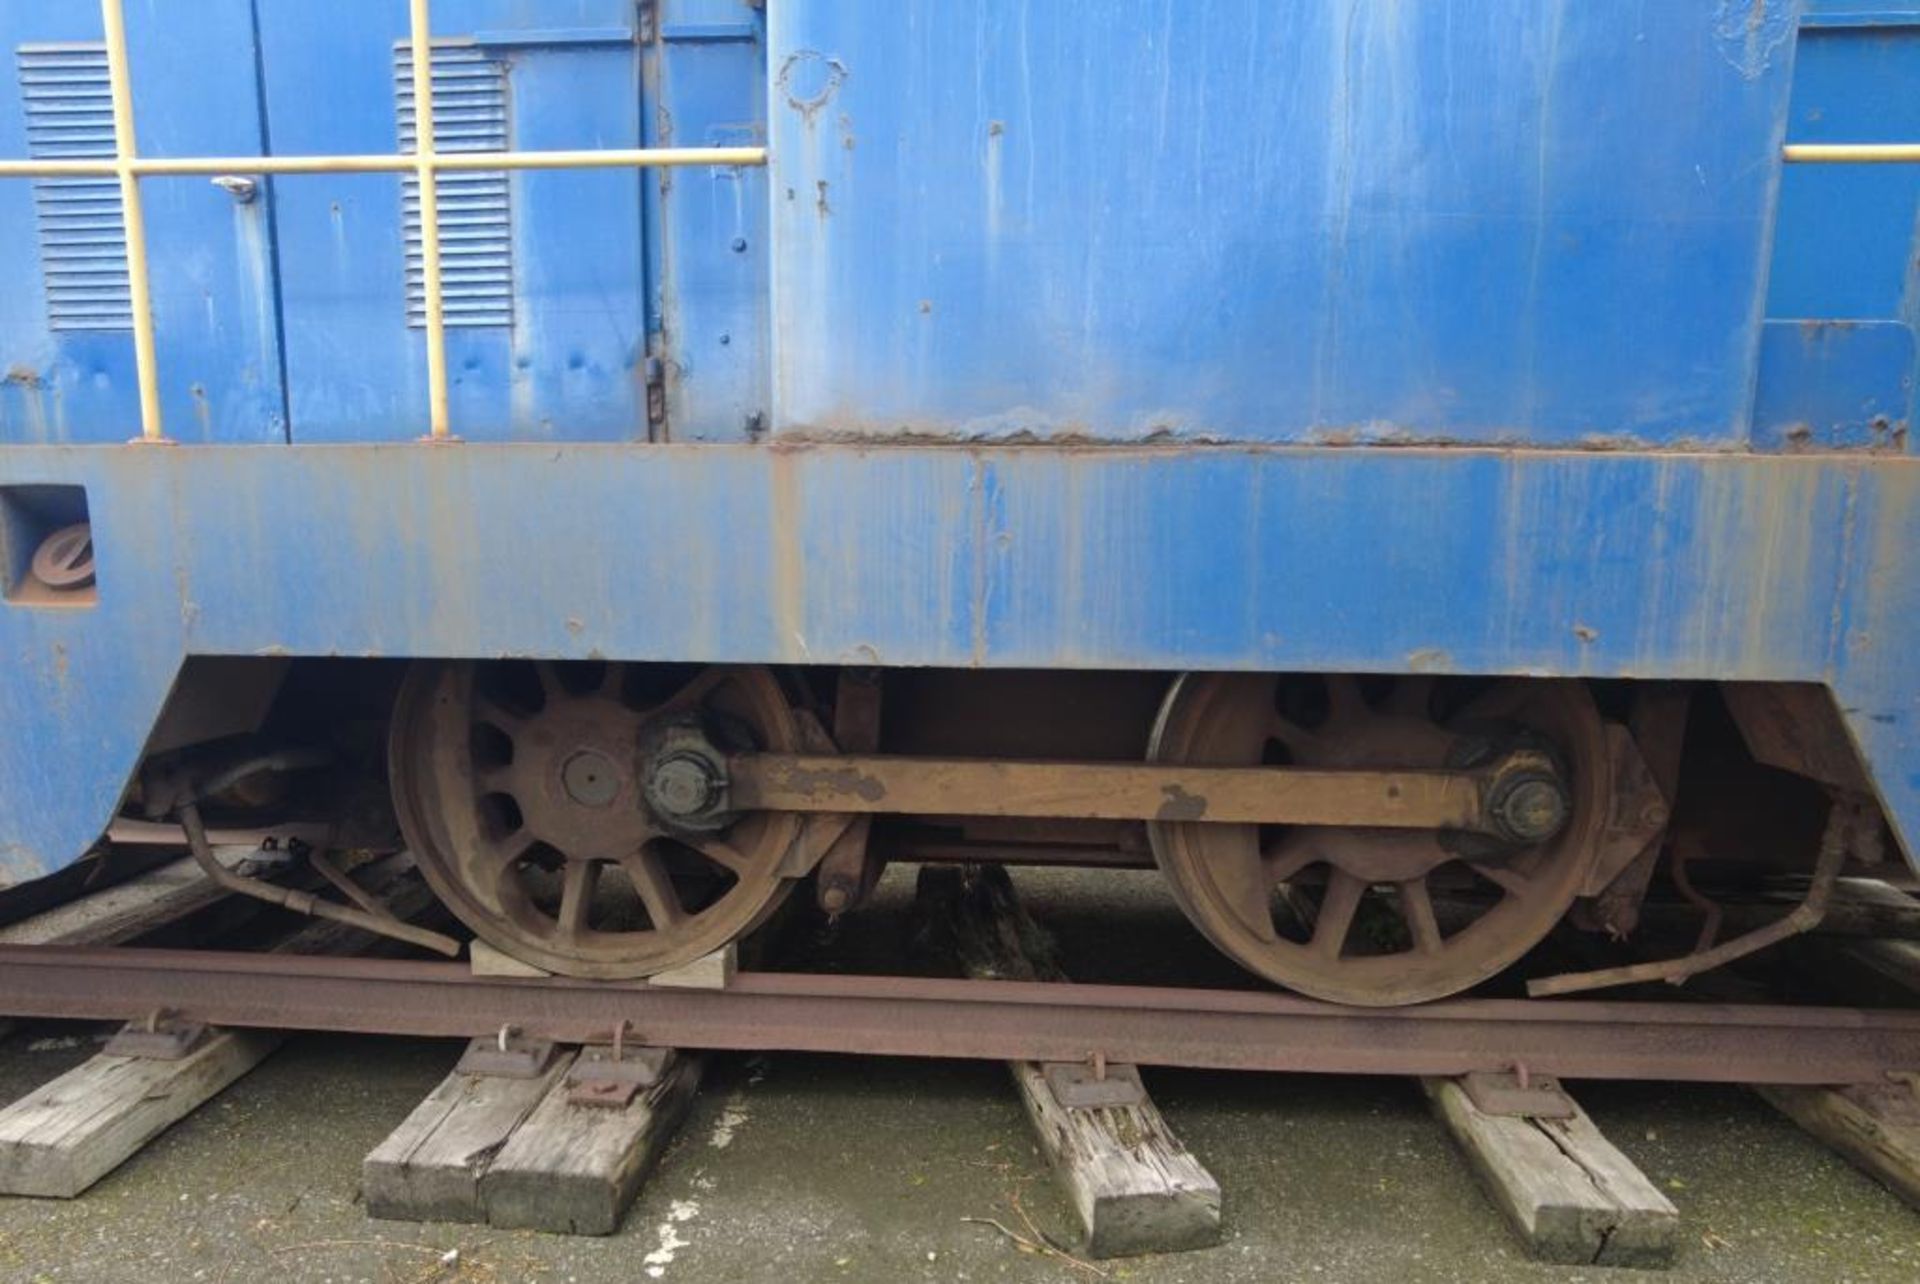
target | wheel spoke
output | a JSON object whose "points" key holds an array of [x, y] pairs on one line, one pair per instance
{"points": [[495, 779], [696, 690], [720, 852], [1287, 856], [496, 715], [503, 851], [1344, 700], [1416, 906], [576, 896], [613, 680], [1508, 879], [649, 877], [1298, 740], [551, 688], [1337, 909]]}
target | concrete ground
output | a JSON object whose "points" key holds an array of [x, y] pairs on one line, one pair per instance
{"points": [[839, 1169]]}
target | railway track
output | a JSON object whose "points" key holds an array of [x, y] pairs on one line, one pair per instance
{"points": [[550, 1136], [995, 1020]]}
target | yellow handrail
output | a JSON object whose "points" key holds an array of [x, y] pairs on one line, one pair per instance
{"points": [[1851, 153], [429, 181], [146, 365], [195, 166]]}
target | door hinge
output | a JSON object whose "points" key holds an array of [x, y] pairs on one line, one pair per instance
{"points": [[656, 399]]}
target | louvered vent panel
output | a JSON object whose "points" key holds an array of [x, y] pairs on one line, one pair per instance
{"points": [[476, 224], [83, 240]]}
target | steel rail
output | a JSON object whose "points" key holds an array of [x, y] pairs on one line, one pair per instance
{"points": [[999, 1020]]}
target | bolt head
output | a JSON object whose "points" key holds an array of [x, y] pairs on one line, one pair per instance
{"points": [[1531, 809], [683, 786]]}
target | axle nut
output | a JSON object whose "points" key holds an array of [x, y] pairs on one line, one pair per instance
{"points": [[683, 786], [1528, 808]]}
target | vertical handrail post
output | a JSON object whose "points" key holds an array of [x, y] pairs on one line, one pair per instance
{"points": [[139, 283], [427, 181]]}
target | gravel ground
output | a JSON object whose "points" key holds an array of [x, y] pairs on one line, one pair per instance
{"points": [[820, 1168]]}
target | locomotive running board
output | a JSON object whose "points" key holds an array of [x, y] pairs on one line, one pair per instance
{"points": [[999, 1020]]}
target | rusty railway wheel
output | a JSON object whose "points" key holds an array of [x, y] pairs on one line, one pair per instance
{"points": [[1349, 915], [524, 790]]}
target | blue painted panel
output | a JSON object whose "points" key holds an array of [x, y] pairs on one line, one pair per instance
{"points": [[1861, 13], [1835, 385], [572, 364], [1847, 232], [1708, 566], [1324, 220], [712, 223], [213, 259], [1848, 243]]}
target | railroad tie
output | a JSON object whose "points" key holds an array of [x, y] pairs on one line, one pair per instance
{"points": [[1567, 1191], [1134, 1185], [61, 1139]]}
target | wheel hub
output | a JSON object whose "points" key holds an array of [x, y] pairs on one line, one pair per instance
{"points": [[684, 775], [683, 786], [590, 778], [1529, 806]]}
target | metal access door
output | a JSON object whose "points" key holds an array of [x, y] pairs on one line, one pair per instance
{"points": [[544, 272], [66, 329], [1841, 362]]}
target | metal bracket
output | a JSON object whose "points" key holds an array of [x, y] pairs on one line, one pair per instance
{"points": [[613, 1077], [507, 1055], [1516, 1095], [1895, 1102], [161, 1037], [1910, 1079], [656, 385], [1093, 1085]]}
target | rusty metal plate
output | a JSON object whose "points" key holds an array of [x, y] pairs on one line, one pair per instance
{"points": [[1500, 1092], [1077, 1086], [512, 1056], [598, 1079], [166, 1040]]}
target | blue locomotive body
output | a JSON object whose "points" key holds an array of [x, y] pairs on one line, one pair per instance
{"points": [[1341, 335]]}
